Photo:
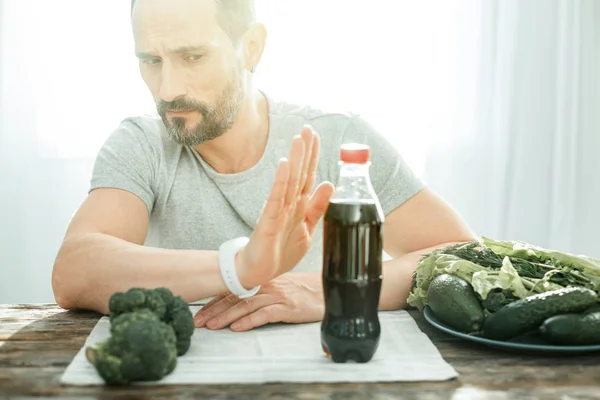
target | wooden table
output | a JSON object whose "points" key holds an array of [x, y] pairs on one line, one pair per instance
{"points": [[37, 343]]}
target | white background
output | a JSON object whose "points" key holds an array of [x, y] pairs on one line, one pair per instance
{"points": [[493, 103]]}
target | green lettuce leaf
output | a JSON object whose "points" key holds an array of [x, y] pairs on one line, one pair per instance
{"points": [[507, 278], [587, 265]]}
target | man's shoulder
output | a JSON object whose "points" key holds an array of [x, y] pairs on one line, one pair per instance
{"points": [[334, 125], [329, 121], [148, 126], [146, 130]]}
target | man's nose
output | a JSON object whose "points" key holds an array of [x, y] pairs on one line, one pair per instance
{"points": [[171, 86]]}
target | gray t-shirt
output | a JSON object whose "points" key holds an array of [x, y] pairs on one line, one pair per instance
{"points": [[191, 206]]}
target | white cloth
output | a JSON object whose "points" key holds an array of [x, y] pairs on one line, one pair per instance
{"points": [[286, 353]]}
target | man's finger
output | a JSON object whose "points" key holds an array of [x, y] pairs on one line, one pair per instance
{"points": [[312, 166], [205, 314], [296, 157], [317, 206], [214, 300], [308, 137], [276, 198], [263, 316], [241, 309]]}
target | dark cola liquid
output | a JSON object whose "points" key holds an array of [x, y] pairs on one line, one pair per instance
{"points": [[352, 277]]}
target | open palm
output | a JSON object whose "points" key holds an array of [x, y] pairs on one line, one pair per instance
{"points": [[291, 214]]}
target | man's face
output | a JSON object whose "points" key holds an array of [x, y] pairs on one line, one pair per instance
{"points": [[190, 65]]}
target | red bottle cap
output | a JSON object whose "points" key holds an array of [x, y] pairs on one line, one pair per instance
{"points": [[355, 153]]}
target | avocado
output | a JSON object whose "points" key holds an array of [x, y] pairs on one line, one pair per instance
{"points": [[454, 302], [525, 315], [572, 329]]}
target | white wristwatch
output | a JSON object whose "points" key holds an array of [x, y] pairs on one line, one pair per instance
{"points": [[227, 253]]}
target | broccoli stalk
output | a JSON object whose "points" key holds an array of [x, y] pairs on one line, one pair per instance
{"points": [[171, 309], [141, 348]]}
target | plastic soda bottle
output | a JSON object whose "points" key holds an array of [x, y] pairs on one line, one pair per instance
{"points": [[352, 261]]}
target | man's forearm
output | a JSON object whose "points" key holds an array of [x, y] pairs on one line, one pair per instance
{"points": [[90, 268], [397, 278], [397, 281]]}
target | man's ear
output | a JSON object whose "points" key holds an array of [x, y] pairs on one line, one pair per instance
{"points": [[254, 41]]}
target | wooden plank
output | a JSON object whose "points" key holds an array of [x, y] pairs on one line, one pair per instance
{"points": [[30, 312], [38, 354], [44, 330], [37, 312], [56, 328], [40, 342], [44, 382], [9, 327]]}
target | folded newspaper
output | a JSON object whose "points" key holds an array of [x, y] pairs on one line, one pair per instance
{"points": [[286, 353]]}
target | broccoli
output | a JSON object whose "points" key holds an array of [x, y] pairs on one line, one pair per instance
{"points": [[181, 319], [171, 309], [141, 348], [496, 299], [155, 300], [149, 329]]}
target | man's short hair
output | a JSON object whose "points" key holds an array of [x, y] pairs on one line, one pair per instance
{"points": [[235, 16]]}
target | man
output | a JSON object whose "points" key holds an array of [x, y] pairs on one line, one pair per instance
{"points": [[167, 192]]}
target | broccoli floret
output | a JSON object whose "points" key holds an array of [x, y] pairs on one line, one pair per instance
{"points": [[182, 321], [498, 298], [138, 299], [141, 348], [169, 308]]}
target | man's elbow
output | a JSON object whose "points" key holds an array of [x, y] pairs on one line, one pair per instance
{"points": [[453, 242], [72, 285], [60, 286], [464, 235], [64, 302], [70, 293], [67, 283]]}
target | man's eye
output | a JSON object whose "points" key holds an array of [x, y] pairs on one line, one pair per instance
{"points": [[151, 61], [193, 57]]}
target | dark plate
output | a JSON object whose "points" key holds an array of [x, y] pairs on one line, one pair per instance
{"points": [[523, 344]]}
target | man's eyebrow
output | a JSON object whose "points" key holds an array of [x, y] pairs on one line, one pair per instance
{"points": [[178, 50], [144, 55], [189, 49]]}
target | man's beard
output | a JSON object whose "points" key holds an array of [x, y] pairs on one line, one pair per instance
{"points": [[216, 120]]}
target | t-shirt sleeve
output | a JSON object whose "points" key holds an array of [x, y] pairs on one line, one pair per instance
{"points": [[393, 180], [125, 161]]}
